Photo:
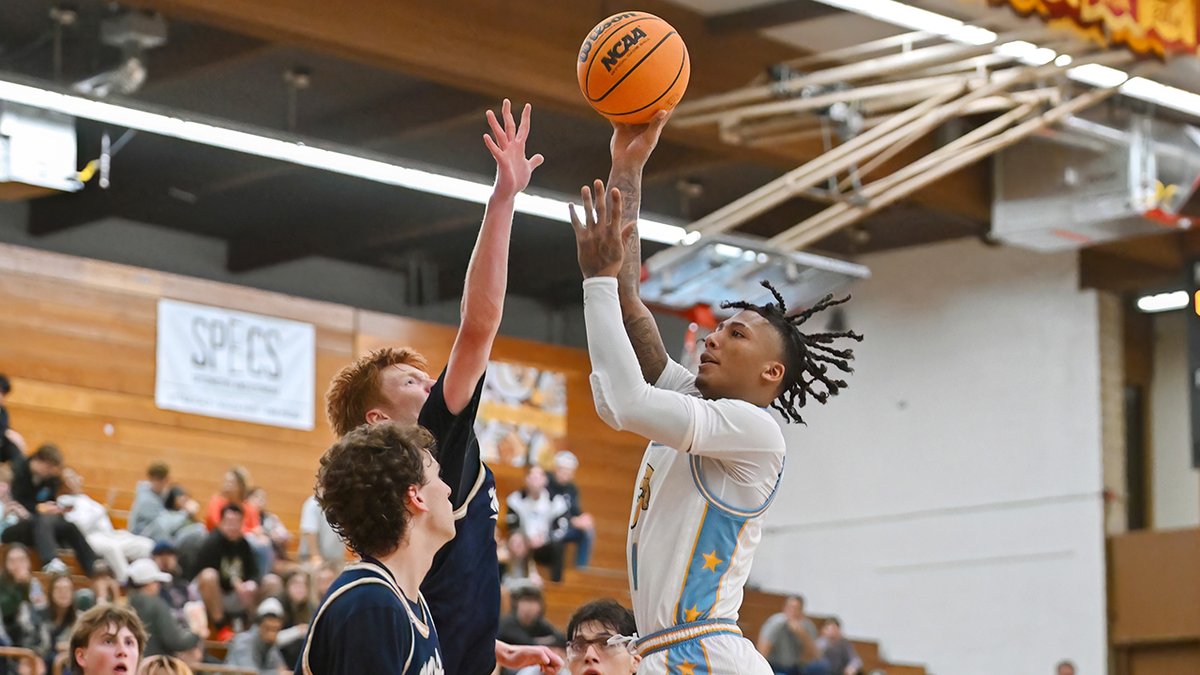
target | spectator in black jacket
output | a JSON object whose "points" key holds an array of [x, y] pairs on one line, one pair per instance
{"points": [[12, 445], [526, 623], [229, 574], [579, 527], [35, 486]]}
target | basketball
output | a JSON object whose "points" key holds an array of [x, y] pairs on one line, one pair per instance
{"points": [[632, 65]]}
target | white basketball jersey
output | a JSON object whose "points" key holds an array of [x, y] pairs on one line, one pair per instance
{"points": [[697, 514]]}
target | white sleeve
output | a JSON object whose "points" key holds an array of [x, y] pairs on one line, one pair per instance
{"points": [[310, 516], [724, 428], [675, 377]]}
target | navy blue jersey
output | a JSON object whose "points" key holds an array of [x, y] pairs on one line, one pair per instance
{"points": [[463, 584], [365, 624]]}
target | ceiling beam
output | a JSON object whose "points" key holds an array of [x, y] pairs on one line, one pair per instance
{"points": [[524, 50], [767, 16]]}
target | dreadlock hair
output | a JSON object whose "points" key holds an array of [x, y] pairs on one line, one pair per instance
{"points": [[807, 356]]}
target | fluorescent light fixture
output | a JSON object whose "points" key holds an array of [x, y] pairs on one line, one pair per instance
{"points": [[1162, 94], [1096, 75], [262, 144], [916, 18], [1163, 302], [1026, 52]]}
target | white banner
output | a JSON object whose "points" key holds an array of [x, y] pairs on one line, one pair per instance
{"points": [[234, 365]]}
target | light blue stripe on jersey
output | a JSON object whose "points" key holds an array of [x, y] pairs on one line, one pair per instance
{"points": [[688, 658], [716, 543], [714, 500]]}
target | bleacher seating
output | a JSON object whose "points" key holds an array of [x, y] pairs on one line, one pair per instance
{"points": [[80, 347]]}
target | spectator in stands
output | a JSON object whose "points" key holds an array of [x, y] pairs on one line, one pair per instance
{"points": [[117, 547], [272, 529], [836, 650], [11, 511], [516, 565], [152, 517], [35, 486], [228, 579], [579, 527], [108, 639], [298, 610], [166, 635], [20, 597], [325, 577], [600, 640], [58, 618], [1065, 667], [12, 444], [104, 588], [526, 623], [255, 648], [788, 640], [235, 489], [536, 516], [175, 591], [318, 542], [163, 665]]}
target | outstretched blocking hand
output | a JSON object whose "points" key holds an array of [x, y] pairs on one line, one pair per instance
{"points": [[507, 145], [601, 241], [520, 656], [632, 144]]}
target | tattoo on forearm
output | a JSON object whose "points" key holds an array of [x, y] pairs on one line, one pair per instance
{"points": [[630, 187], [647, 345]]}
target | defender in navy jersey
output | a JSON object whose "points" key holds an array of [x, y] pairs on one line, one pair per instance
{"points": [[380, 490], [463, 585]]}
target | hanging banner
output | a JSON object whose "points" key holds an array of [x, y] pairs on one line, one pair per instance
{"points": [[522, 418], [234, 365], [1161, 27]]}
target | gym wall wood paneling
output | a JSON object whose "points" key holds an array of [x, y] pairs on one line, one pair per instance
{"points": [[78, 339]]}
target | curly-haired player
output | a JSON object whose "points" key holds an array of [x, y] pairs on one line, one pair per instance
{"points": [[380, 490], [716, 456], [463, 585]]}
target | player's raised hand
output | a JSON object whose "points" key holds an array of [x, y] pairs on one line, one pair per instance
{"points": [[601, 240], [632, 144], [507, 145], [520, 656]]}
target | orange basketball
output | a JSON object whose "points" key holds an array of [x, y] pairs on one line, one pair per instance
{"points": [[632, 65]]}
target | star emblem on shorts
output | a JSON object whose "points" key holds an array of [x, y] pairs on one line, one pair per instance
{"points": [[687, 668], [691, 614], [711, 561]]}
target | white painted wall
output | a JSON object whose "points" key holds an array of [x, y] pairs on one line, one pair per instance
{"points": [[1176, 485], [947, 503]]}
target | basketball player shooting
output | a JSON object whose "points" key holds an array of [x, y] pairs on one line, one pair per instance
{"points": [[716, 455]]}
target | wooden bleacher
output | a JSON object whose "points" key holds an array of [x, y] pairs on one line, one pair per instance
{"points": [[79, 345]]}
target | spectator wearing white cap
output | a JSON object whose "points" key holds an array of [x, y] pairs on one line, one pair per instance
{"points": [[166, 635], [256, 648], [579, 527]]}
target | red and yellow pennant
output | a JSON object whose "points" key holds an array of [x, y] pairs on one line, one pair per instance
{"points": [[1161, 27]]}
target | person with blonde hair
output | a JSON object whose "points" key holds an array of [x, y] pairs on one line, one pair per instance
{"points": [[163, 665]]}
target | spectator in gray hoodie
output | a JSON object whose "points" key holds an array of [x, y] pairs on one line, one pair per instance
{"points": [[152, 516]]}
